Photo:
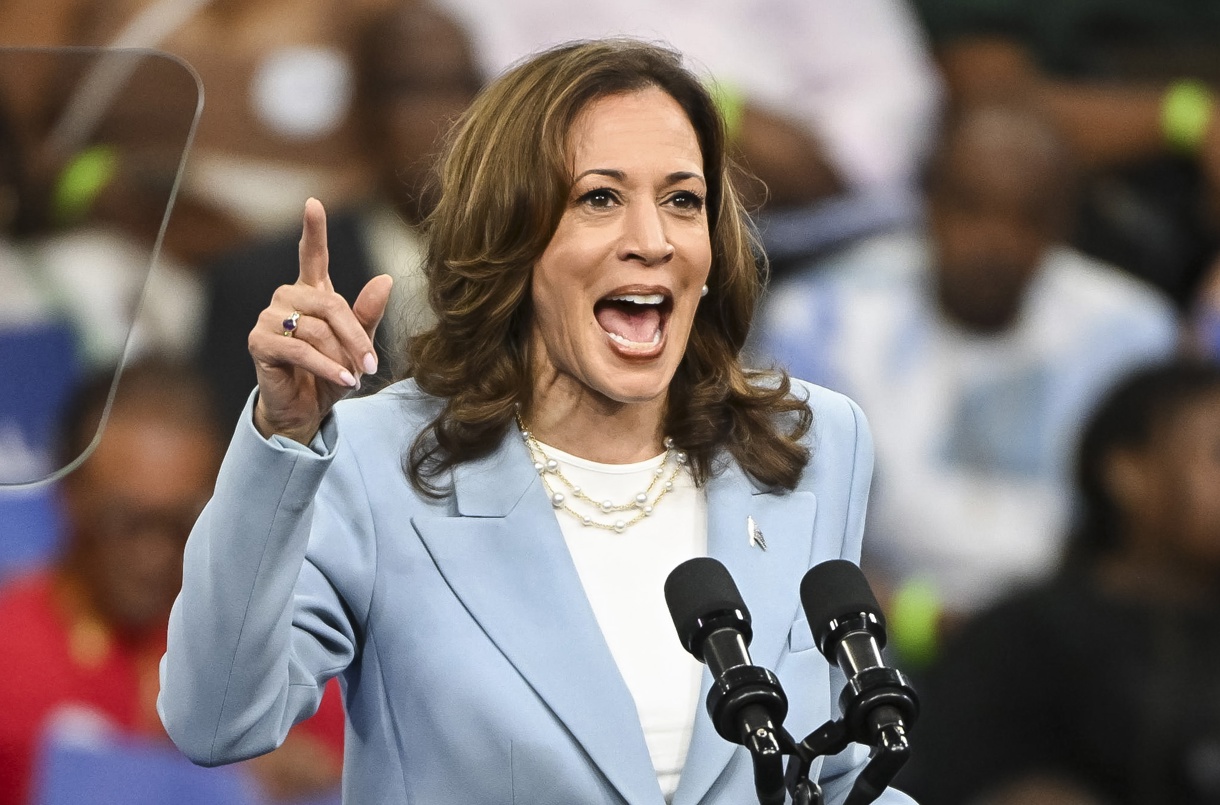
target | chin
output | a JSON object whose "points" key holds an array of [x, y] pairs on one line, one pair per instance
{"points": [[636, 386]]}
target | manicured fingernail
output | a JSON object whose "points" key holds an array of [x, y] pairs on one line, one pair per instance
{"points": [[370, 363], [347, 378]]}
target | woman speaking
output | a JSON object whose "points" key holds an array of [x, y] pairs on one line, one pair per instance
{"points": [[479, 551]]}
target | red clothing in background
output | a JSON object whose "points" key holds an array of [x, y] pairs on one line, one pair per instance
{"points": [[61, 660]]}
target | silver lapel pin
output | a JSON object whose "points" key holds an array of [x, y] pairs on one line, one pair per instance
{"points": [[755, 534]]}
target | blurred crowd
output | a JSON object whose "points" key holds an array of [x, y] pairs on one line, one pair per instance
{"points": [[993, 223]]}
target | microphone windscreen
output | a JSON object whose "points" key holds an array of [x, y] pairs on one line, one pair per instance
{"points": [[836, 589], [697, 589]]}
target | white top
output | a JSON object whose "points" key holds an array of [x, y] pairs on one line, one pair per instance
{"points": [[624, 578]]}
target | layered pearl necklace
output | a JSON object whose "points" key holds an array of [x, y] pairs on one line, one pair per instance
{"points": [[642, 504]]}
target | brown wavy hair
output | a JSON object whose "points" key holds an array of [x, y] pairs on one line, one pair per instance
{"points": [[504, 180]]}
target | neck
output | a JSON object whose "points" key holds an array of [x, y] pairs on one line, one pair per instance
{"points": [[596, 428], [974, 318], [79, 598], [77, 602]]}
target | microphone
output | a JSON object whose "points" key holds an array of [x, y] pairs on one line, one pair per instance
{"points": [[746, 703], [878, 703]]}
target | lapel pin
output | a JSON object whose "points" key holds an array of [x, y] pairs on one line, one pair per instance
{"points": [[755, 534]]}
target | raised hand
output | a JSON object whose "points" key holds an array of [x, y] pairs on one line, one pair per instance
{"points": [[309, 346]]}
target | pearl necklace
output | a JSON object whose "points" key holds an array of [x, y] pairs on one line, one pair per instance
{"points": [[643, 504]]}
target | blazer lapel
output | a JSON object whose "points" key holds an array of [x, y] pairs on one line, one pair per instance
{"points": [[506, 560], [769, 581]]}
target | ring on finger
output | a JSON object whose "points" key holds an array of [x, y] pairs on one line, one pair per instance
{"points": [[290, 324]]}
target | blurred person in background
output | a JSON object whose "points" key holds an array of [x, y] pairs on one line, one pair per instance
{"points": [[91, 273], [280, 114], [39, 24], [1132, 85], [25, 82], [279, 118], [22, 300], [36, 341], [82, 638], [102, 157], [415, 74], [976, 347], [103, 136], [70, 304], [1107, 676]]}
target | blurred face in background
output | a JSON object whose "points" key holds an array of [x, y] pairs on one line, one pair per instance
{"points": [[130, 508], [996, 204], [1172, 494], [419, 76]]}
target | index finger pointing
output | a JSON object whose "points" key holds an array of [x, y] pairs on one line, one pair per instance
{"points": [[314, 257]]}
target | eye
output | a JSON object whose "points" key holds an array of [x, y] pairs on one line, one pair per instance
{"points": [[600, 197], [687, 200]]}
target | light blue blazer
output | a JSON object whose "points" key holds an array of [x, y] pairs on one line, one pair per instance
{"points": [[472, 667]]}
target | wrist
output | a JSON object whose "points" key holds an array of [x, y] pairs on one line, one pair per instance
{"points": [[302, 432], [1187, 110]]}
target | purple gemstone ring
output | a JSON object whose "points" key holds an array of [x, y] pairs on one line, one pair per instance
{"points": [[290, 324]]}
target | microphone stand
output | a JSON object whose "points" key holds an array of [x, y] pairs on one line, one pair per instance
{"points": [[876, 704], [747, 705], [749, 699], [766, 750], [746, 702]]}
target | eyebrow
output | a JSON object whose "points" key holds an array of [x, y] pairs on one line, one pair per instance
{"points": [[613, 173]]}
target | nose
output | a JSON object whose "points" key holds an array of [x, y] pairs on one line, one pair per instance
{"points": [[644, 238]]}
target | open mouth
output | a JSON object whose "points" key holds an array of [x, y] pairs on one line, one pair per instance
{"points": [[634, 321]]}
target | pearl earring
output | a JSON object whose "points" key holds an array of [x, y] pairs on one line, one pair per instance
{"points": [[704, 291]]}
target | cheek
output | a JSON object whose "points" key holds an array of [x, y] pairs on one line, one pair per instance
{"points": [[563, 275], [949, 223], [558, 320], [1027, 247], [552, 300], [697, 247]]}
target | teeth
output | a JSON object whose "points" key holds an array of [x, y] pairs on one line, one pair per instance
{"points": [[639, 299], [656, 339]]}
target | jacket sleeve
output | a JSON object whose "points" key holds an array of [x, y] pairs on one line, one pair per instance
{"points": [[260, 624]]}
